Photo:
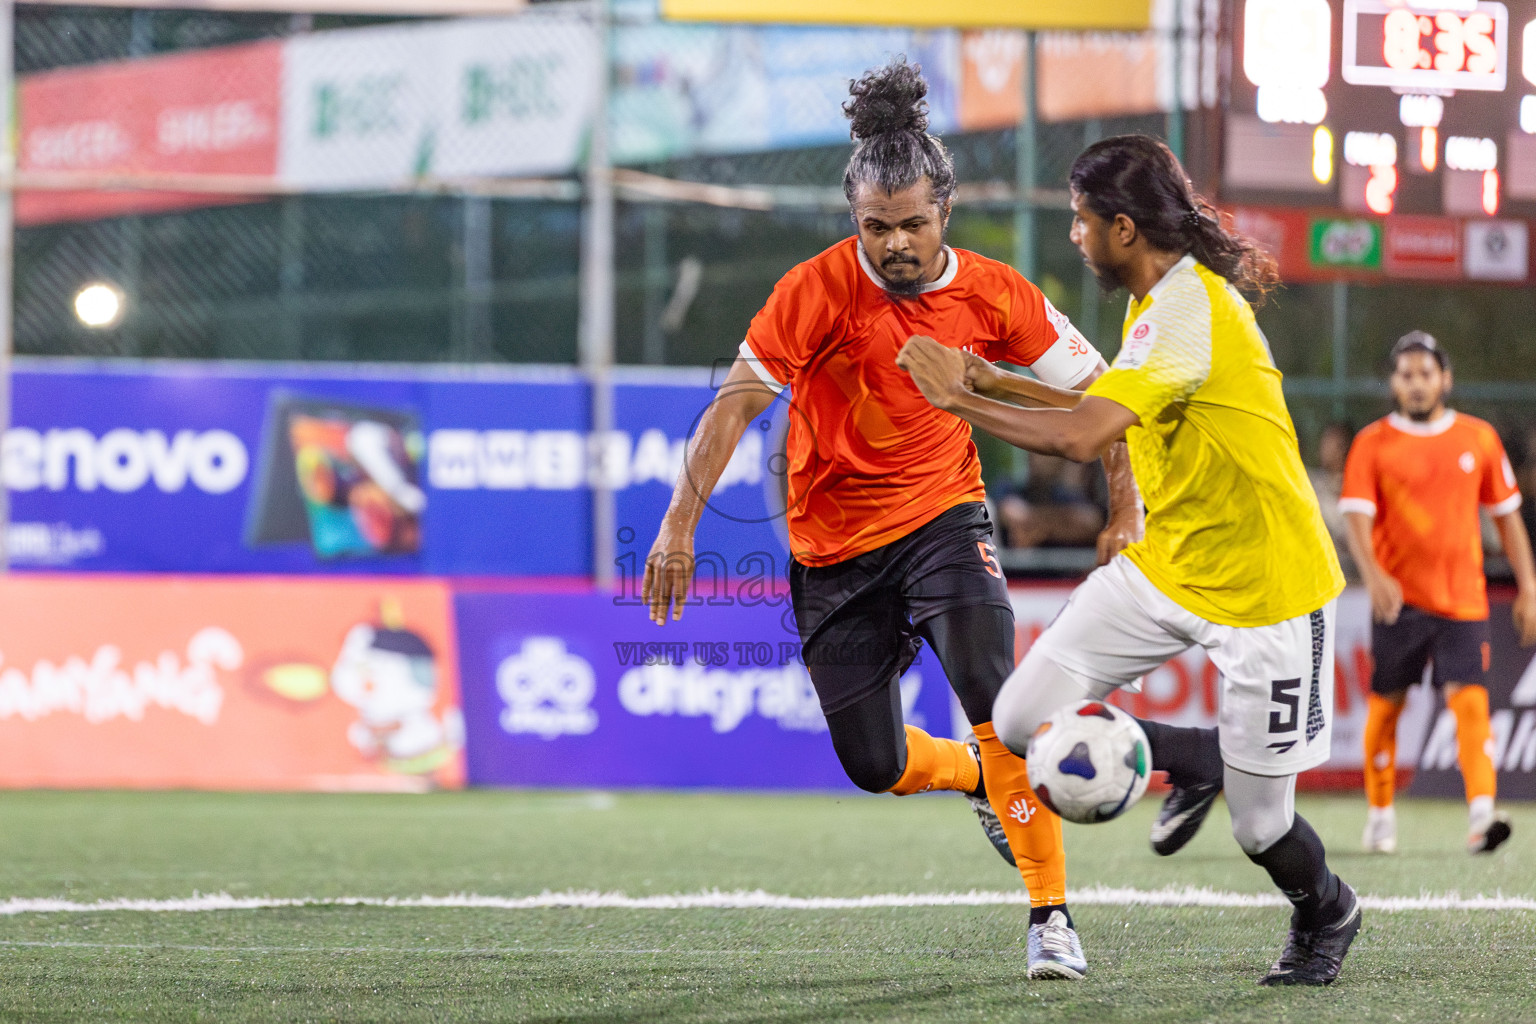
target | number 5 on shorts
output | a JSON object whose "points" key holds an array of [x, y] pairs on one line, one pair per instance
{"points": [[989, 559], [1284, 692]]}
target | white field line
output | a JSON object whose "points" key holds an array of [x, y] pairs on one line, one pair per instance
{"points": [[754, 900]]}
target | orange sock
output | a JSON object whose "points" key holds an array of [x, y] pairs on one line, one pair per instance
{"points": [[936, 764], [1381, 749], [1474, 741], [1034, 833]]}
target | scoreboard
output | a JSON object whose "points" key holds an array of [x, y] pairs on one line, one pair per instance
{"points": [[1387, 109]]}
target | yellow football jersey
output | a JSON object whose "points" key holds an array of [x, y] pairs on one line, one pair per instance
{"points": [[1233, 532]]}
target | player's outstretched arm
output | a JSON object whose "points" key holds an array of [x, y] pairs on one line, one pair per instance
{"points": [[1081, 433], [1125, 520], [1517, 548], [992, 381], [669, 566]]}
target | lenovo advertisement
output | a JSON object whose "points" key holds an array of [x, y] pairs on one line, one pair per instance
{"points": [[177, 468]]}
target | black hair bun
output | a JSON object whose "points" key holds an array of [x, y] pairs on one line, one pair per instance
{"points": [[889, 99]]}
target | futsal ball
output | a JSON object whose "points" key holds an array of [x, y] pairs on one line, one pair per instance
{"points": [[1089, 761]]}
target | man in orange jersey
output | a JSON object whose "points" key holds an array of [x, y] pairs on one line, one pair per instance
{"points": [[891, 541], [1412, 488]]}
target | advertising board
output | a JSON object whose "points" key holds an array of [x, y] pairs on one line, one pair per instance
{"points": [[273, 469], [228, 684], [583, 690]]}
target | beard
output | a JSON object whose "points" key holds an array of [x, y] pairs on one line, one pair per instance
{"points": [[1107, 277], [906, 289], [1422, 412]]}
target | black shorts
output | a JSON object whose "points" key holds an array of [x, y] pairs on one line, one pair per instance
{"points": [[859, 620], [1459, 649]]}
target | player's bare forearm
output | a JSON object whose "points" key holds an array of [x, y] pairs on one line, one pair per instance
{"points": [[1358, 535], [669, 566], [1124, 498], [1125, 525], [741, 399], [1007, 386], [1081, 434], [1517, 548]]}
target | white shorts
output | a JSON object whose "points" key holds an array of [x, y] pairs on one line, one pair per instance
{"points": [[1276, 713]]}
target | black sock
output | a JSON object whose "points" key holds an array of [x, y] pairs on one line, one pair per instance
{"points": [[1038, 915], [981, 776], [1190, 756], [1298, 865]]}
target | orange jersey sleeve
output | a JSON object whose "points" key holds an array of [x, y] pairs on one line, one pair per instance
{"points": [[1360, 493], [787, 332], [1036, 334], [1498, 493]]}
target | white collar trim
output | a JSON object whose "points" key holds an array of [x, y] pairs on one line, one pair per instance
{"points": [[1185, 262], [951, 268], [1434, 427]]}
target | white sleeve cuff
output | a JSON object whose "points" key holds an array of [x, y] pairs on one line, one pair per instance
{"points": [[1506, 506], [1360, 505], [1068, 361], [758, 368]]}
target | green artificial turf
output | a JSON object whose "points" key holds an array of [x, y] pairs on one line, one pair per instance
{"points": [[909, 964]]}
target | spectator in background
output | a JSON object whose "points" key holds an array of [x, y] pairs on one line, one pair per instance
{"points": [[1055, 506], [1328, 478]]}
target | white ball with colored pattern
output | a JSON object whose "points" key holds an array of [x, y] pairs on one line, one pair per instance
{"points": [[1089, 762]]}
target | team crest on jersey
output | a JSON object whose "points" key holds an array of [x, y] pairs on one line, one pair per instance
{"points": [[1138, 345], [1467, 462]]}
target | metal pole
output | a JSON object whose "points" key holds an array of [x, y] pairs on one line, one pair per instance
{"points": [[654, 348], [597, 282], [1340, 347], [475, 337], [1024, 149], [1176, 100], [7, 242]]}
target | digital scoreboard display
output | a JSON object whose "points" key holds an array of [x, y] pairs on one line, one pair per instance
{"points": [[1410, 49], [1385, 108]]}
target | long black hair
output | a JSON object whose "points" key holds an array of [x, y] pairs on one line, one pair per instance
{"points": [[892, 148], [1140, 177]]}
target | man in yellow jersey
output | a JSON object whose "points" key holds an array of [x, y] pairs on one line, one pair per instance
{"points": [[1235, 558]]}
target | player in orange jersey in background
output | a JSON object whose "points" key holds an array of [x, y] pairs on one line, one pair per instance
{"points": [[1412, 488], [891, 540]]}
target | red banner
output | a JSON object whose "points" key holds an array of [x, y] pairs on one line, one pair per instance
{"points": [[211, 112], [234, 683]]}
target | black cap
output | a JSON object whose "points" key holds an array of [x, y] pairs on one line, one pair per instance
{"points": [[1420, 341]]}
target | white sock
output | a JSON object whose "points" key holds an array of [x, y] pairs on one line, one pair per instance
{"points": [[1380, 814], [1480, 810]]}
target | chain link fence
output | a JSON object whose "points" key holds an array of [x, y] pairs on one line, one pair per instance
{"points": [[298, 187]]}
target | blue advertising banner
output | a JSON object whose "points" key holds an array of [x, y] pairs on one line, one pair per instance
{"points": [[583, 690], [180, 467]]}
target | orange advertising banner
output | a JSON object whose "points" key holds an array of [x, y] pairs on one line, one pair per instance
{"points": [[1080, 75], [233, 683]]}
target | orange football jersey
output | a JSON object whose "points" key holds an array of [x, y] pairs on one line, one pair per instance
{"points": [[869, 459], [1424, 482]]}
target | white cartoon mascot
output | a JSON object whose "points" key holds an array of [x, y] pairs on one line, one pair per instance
{"points": [[390, 676]]}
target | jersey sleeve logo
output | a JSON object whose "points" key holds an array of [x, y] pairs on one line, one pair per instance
{"points": [[1138, 345]]}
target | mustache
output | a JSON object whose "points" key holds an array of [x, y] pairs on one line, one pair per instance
{"points": [[893, 260]]}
